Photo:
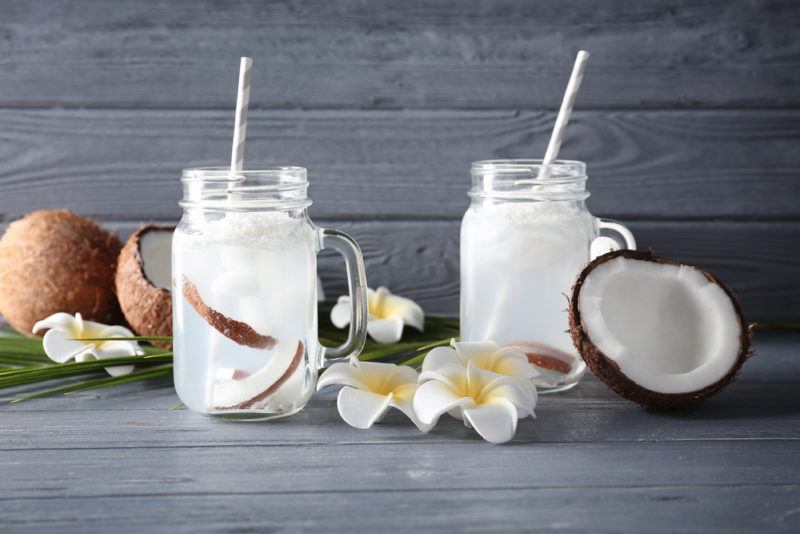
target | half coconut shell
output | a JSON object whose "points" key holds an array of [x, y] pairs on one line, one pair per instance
{"points": [[658, 332], [146, 303]]}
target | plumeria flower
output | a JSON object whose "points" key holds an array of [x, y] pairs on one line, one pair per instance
{"points": [[485, 355], [62, 341], [370, 389], [488, 402], [387, 315]]}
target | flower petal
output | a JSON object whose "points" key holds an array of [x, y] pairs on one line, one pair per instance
{"points": [[360, 409], [60, 347], [376, 376], [434, 398], [117, 349], [119, 370], [495, 421], [522, 395], [341, 373], [406, 309], [402, 398], [452, 374], [401, 376], [512, 361], [59, 320], [340, 313], [385, 331], [113, 331], [479, 352], [439, 357]]}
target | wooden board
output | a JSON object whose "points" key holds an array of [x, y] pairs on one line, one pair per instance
{"points": [[388, 54], [758, 260], [125, 165], [420, 260], [121, 459]]}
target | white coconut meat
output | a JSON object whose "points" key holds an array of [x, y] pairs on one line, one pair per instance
{"points": [[234, 388], [668, 327], [155, 248]]}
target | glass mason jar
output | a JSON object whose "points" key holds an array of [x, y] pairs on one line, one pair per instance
{"points": [[524, 239], [244, 301]]}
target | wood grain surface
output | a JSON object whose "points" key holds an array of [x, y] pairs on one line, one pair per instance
{"points": [[590, 461], [473, 54], [758, 260], [123, 165]]}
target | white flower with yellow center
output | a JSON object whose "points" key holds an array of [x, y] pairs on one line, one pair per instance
{"points": [[486, 355], [387, 315], [486, 401], [66, 338], [370, 389]]}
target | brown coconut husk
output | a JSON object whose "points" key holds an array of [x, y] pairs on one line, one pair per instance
{"points": [[147, 308], [57, 261]]}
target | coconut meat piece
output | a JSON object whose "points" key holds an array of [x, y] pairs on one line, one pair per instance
{"points": [[155, 248], [233, 387], [667, 327]]}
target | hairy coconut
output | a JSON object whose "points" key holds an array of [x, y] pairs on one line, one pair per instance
{"points": [[143, 282], [57, 261], [660, 333]]}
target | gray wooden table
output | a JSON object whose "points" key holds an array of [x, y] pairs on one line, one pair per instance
{"points": [[122, 459]]}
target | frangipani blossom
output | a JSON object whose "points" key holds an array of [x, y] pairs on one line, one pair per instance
{"points": [[486, 355], [488, 402], [370, 388], [62, 341], [387, 315]]}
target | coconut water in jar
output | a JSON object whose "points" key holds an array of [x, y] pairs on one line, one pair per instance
{"points": [[524, 240], [244, 293]]}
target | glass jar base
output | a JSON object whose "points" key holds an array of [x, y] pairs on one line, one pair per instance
{"points": [[566, 383], [252, 416], [547, 390]]}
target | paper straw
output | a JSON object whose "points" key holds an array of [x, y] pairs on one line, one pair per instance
{"points": [[566, 108], [240, 124]]}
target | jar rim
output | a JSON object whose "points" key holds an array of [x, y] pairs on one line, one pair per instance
{"points": [[528, 180], [292, 173], [265, 187], [560, 167]]}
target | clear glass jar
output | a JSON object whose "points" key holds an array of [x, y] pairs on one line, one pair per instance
{"points": [[244, 300], [524, 239]]}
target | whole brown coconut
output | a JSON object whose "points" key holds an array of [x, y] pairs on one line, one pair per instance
{"points": [[650, 328], [57, 261], [146, 303]]}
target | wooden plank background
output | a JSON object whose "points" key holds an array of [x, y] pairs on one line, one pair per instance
{"points": [[689, 119]]}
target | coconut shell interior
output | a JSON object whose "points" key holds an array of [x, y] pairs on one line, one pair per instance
{"points": [[147, 308], [608, 370]]}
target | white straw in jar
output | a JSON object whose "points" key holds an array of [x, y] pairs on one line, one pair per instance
{"points": [[240, 124], [566, 108]]}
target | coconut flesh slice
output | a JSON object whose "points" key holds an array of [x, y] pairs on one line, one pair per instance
{"points": [[660, 333], [236, 389]]}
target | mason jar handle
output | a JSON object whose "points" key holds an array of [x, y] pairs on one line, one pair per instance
{"points": [[618, 232], [357, 285]]}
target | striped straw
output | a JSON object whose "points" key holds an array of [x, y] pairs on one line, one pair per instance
{"points": [[566, 108], [240, 125]]}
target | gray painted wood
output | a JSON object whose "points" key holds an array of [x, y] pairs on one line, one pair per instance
{"points": [[750, 508], [387, 54], [420, 260], [120, 459], [125, 165]]}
